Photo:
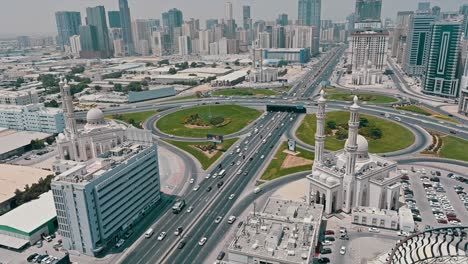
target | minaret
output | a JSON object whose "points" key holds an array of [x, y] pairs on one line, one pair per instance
{"points": [[320, 133], [351, 148], [67, 106]]}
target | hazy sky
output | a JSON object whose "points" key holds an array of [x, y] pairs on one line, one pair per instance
{"points": [[19, 17]]}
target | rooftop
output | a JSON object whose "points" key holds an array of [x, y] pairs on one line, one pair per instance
{"points": [[30, 216], [284, 231], [375, 211], [87, 172], [16, 177], [11, 140]]}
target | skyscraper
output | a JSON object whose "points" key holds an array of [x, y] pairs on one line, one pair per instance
{"points": [[126, 22], [96, 16], [282, 20], [464, 13], [228, 10], [368, 10], [440, 77], [68, 24], [114, 19], [172, 18], [417, 43], [463, 102], [246, 16], [424, 6], [309, 14], [88, 39], [211, 23]]}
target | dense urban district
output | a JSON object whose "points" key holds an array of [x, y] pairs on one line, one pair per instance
{"points": [[287, 141]]}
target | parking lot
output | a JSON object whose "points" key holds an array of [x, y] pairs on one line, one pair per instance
{"points": [[437, 198]]}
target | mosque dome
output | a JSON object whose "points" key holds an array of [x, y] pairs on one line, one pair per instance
{"points": [[316, 174], [94, 116], [323, 177], [330, 181], [363, 145]]}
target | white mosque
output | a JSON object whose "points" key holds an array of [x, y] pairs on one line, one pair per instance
{"points": [[351, 177], [98, 136]]}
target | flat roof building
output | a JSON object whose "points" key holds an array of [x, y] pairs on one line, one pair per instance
{"points": [[33, 117], [27, 223], [16, 142], [285, 232], [99, 200], [18, 98]]}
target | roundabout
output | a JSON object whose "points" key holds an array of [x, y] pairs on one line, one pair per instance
{"points": [[197, 122]]}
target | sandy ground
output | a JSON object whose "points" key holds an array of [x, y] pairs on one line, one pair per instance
{"points": [[295, 191], [294, 161], [201, 88], [207, 154], [171, 170]]}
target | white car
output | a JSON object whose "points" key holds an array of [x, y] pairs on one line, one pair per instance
{"points": [[192, 180], [119, 243], [239, 172], [202, 241], [327, 243], [231, 219], [215, 175], [161, 236], [196, 188], [208, 176], [402, 233], [262, 157], [374, 230], [232, 196], [343, 250], [190, 209]]}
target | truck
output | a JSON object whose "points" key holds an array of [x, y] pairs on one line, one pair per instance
{"points": [[222, 173], [178, 206]]}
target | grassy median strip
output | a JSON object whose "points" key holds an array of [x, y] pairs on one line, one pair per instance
{"points": [[368, 98], [393, 136], [197, 122], [135, 119], [454, 148], [204, 159], [424, 111], [277, 167]]}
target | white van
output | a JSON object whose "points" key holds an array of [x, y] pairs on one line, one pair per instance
{"points": [[149, 233], [257, 190]]}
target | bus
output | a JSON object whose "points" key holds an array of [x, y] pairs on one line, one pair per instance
{"points": [[178, 206], [222, 173]]}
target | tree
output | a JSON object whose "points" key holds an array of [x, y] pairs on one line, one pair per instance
{"points": [[19, 81], [172, 71], [376, 133], [237, 63], [134, 87], [97, 88], [341, 134], [149, 64], [363, 122], [282, 63], [118, 87], [331, 124], [163, 62], [193, 65], [198, 94], [37, 144], [48, 80], [214, 65], [77, 70], [51, 103]]}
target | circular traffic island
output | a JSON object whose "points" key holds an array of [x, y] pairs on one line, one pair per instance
{"points": [[365, 98], [383, 136], [198, 122]]}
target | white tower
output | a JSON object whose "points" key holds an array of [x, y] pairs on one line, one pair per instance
{"points": [[67, 106], [320, 133], [351, 148]]}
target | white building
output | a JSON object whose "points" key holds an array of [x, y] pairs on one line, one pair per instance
{"points": [[18, 98], [185, 45], [205, 38], [75, 45], [375, 217], [352, 177], [263, 75], [99, 201], [264, 40], [463, 102], [97, 137], [33, 117]]}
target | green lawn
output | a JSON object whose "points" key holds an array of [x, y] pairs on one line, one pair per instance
{"points": [[446, 118], [414, 109], [198, 154], [239, 117], [274, 169], [454, 148], [135, 119], [370, 98], [244, 92], [395, 137]]}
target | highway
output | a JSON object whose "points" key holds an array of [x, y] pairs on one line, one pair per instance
{"points": [[207, 205]]}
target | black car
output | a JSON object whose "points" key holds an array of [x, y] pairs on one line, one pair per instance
{"points": [[31, 257], [181, 245], [323, 260], [220, 184], [221, 255], [208, 189], [325, 251]]}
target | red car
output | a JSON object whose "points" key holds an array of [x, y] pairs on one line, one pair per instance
{"points": [[442, 221], [404, 177], [329, 232], [451, 215]]}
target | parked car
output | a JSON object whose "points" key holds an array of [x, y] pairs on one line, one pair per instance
{"points": [[329, 232], [119, 243], [325, 251], [343, 250], [161, 236], [323, 260], [374, 230], [221, 255]]}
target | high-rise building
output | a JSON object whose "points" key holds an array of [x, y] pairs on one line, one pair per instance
{"points": [[126, 22], [246, 17], [205, 38], [369, 46], [228, 10], [278, 37], [68, 24], [185, 45], [96, 17], [463, 101], [114, 19], [282, 20], [368, 10], [142, 30], [161, 43], [424, 6], [436, 11], [400, 34], [172, 18], [23, 42], [464, 13], [440, 77], [211, 23], [88, 41], [417, 43], [264, 40], [75, 45], [309, 14]]}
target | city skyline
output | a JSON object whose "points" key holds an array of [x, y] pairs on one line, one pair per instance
{"points": [[44, 21]]}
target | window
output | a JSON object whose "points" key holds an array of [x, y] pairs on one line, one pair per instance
{"points": [[356, 218], [382, 222], [374, 221]]}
